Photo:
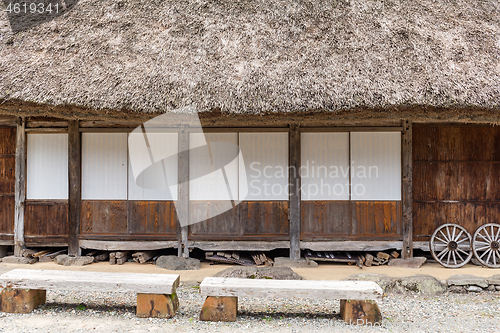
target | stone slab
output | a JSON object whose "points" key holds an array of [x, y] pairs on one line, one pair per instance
{"points": [[415, 262], [287, 262], [467, 280]]}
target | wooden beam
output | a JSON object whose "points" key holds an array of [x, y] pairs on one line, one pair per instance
{"points": [[407, 189], [20, 187], [294, 186], [182, 206], [351, 245], [75, 188], [126, 245], [239, 245]]}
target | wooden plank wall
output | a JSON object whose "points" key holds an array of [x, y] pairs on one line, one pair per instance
{"points": [[7, 181], [250, 220], [456, 177], [351, 220], [128, 220], [46, 222]]}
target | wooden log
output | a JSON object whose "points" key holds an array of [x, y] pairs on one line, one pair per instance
{"points": [[157, 305], [75, 188], [112, 258], [101, 257], [394, 254], [219, 309], [28, 253], [21, 300], [121, 254], [407, 188], [294, 186], [360, 312], [382, 255], [20, 187], [368, 260], [122, 260]]}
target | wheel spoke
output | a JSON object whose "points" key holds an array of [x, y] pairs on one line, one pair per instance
{"points": [[458, 254], [458, 236], [494, 259], [498, 233], [442, 253], [443, 241], [454, 258], [479, 234], [442, 233], [459, 249], [483, 248], [463, 240], [448, 259], [488, 259], [453, 233], [448, 232], [479, 242], [481, 256]]}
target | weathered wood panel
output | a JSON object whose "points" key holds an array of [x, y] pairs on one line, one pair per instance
{"points": [[249, 220], [376, 218], [152, 218], [44, 219], [7, 174], [7, 141], [7, 217], [103, 217], [456, 177], [325, 219]]}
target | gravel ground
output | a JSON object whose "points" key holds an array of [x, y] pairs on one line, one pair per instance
{"points": [[67, 311]]}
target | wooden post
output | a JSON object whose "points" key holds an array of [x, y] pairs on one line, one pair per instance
{"points": [[294, 187], [20, 187], [407, 189], [75, 188], [182, 206]]}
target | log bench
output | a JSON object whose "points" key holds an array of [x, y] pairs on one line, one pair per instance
{"points": [[357, 298], [24, 289]]}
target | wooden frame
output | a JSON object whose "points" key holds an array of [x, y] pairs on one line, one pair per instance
{"points": [[407, 188], [20, 186]]}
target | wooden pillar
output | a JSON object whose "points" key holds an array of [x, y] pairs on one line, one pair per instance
{"points": [[182, 206], [75, 188], [20, 187], [294, 187], [407, 189]]}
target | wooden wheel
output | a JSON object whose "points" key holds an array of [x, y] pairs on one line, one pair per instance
{"points": [[486, 245], [451, 245]]}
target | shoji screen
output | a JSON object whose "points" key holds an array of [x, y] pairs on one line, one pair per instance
{"points": [[153, 169], [213, 166], [376, 165], [104, 166], [265, 157], [325, 166], [47, 166]]}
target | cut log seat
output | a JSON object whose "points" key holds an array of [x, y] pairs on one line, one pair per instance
{"points": [[156, 293], [358, 298]]}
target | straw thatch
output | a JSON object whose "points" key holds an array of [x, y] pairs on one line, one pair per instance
{"points": [[257, 56]]}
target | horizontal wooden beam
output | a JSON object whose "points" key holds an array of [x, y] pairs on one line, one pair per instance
{"points": [[352, 129], [126, 245], [352, 245], [239, 245], [46, 130], [38, 124]]}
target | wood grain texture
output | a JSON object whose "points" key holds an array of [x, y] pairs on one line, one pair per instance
{"points": [[91, 281], [7, 216], [355, 290], [20, 187], [183, 209], [7, 174], [380, 218], [49, 218], [7, 141], [152, 218], [455, 179], [407, 188], [75, 186], [294, 182], [256, 220], [104, 217], [325, 219]]}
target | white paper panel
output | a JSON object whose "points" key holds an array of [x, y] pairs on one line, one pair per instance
{"points": [[47, 166], [325, 166], [376, 166], [153, 170], [104, 166], [265, 158], [207, 180]]}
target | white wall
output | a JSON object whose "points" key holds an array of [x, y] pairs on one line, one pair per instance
{"points": [[104, 166], [47, 166], [376, 165]]}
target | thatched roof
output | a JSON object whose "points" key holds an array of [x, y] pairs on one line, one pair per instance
{"points": [[257, 56]]}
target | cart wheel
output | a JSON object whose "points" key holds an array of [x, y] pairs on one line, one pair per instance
{"points": [[486, 244], [451, 245]]}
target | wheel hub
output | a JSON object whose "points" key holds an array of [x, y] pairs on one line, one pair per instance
{"points": [[495, 245], [452, 245]]}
